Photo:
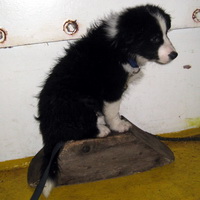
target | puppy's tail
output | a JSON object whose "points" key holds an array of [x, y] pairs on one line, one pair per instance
{"points": [[49, 185], [49, 173]]}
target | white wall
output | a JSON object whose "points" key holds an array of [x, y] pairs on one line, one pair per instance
{"points": [[22, 70], [28, 22], [168, 96], [162, 101]]}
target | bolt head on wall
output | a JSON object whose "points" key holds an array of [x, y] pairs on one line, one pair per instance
{"points": [[70, 27], [2, 35]]}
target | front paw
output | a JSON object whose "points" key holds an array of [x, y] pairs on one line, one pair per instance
{"points": [[120, 125], [103, 130]]}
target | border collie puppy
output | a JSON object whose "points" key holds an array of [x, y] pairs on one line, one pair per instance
{"points": [[81, 96]]}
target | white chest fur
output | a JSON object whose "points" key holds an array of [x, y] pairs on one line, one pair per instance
{"points": [[134, 73]]}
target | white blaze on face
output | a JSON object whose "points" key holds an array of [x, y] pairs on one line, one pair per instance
{"points": [[166, 48]]}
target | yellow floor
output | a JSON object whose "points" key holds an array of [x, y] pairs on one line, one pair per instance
{"points": [[177, 181]]}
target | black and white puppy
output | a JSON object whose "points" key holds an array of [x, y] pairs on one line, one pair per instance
{"points": [[81, 97]]}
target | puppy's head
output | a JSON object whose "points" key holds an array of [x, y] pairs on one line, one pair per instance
{"points": [[141, 33]]}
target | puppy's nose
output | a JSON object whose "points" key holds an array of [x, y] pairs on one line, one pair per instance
{"points": [[173, 55]]}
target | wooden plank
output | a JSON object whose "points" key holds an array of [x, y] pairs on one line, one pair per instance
{"points": [[102, 158]]}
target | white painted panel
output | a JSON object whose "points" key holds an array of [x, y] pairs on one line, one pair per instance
{"points": [[161, 102], [22, 71], [28, 22]]}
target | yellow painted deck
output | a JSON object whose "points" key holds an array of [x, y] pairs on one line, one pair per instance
{"points": [[177, 181]]}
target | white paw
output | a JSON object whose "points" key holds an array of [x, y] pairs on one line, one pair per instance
{"points": [[103, 130], [120, 125]]}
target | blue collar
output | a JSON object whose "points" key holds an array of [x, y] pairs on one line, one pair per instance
{"points": [[133, 63]]}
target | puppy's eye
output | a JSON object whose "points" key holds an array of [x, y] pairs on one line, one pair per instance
{"points": [[155, 39]]}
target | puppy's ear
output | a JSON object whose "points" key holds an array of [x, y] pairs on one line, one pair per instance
{"points": [[155, 10], [167, 20], [125, 33]]}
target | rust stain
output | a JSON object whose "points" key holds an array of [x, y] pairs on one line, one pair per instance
{"points": [[187, 66]]}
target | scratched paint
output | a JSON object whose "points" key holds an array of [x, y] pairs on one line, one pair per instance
{"points": [[15, 164]]}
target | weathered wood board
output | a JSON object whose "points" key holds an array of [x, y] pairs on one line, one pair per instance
{"points": [[102, 158]]}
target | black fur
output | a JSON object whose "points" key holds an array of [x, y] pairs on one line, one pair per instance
{"points": [[91, 73]]}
